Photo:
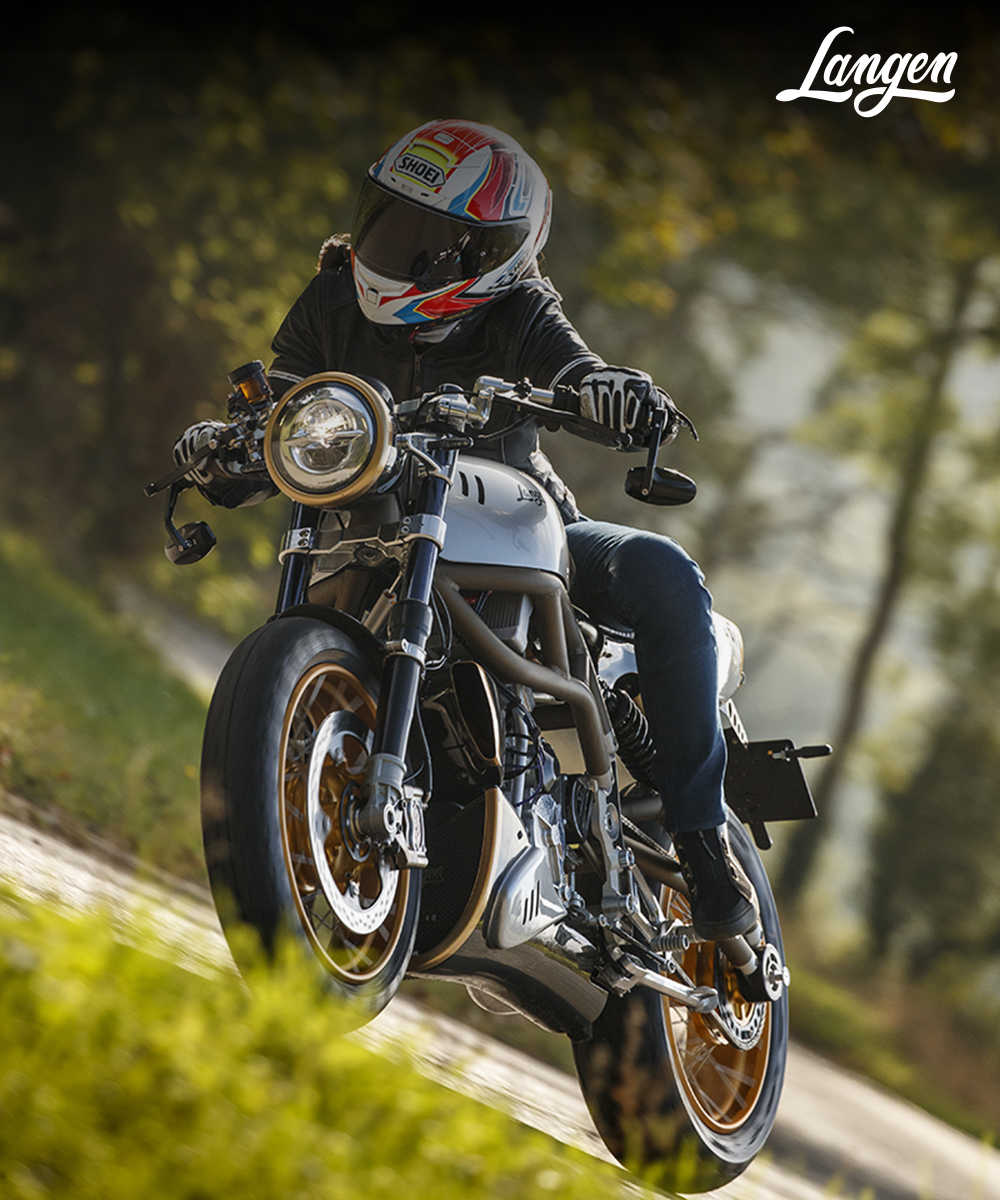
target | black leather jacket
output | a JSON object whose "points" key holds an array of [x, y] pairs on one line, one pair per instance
{"points": [[522, 334]]}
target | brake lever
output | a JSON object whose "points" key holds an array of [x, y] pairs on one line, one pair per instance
{"points": [[561, 416], [178, 473]]}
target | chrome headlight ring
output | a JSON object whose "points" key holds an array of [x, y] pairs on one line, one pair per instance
{"points": [[329, 440]]}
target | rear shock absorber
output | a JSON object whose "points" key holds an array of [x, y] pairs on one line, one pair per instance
{"points": [[635, 744]]}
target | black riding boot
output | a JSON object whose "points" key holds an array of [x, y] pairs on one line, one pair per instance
{"points": [[722, 898]]}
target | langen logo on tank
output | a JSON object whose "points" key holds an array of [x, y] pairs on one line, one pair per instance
{"points": [[845, 73], [419, 169]]}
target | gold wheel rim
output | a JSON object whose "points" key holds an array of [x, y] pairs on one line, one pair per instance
{"points": [[722, 1081], [339, 888], [476, 904]]}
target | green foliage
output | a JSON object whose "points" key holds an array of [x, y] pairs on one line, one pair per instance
{"points": [[89, 720], [233, 588], [935, 895], [166, 209], [163, 211], [122, 1075], [831, 1019]]}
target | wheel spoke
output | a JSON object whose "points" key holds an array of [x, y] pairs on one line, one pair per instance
{"points": [[720, 1064], [705, 1069], [352, 904]]}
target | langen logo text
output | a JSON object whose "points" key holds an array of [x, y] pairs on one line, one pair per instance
{"points": [[883, 77]]}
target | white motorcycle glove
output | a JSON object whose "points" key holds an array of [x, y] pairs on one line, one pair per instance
{"points": [[235, 486], [624, 400], [197, 437]]}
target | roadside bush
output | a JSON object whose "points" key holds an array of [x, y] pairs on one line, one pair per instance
{"points": [[122, 1076]]}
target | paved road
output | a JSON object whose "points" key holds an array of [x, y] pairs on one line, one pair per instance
{"points": [[835, 1134]]}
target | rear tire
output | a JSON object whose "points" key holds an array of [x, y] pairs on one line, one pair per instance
{"points": [[672, 1098], [289, 731]]}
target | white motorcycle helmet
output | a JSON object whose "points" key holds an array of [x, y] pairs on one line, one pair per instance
{"points": [[450, 217]]}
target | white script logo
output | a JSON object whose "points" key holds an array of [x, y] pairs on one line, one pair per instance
{"points": [[884, 76]]}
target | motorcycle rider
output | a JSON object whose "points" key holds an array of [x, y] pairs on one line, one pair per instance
{"points": [[439, 283]]}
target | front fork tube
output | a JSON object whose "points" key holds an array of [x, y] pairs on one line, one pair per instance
{"points": [[389, 815], [296, 568]]}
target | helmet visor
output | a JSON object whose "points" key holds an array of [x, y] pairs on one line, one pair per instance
{"points": [[399, 239]]}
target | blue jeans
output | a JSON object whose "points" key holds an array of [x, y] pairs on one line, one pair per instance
{"points": [[631, 579]]}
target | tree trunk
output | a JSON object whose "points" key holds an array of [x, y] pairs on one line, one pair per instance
{"points": [[805, 842]]}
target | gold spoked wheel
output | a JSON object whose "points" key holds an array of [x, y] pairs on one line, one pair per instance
{"points": [[691, 1096], [289, 732], [720, 1063], [350, 899]]}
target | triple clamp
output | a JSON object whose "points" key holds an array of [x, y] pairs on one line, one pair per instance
{"points": [[297, 541]]}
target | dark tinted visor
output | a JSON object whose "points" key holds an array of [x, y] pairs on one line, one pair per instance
{"points": [[402, 240]]}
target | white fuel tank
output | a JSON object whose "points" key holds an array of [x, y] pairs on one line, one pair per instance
{"points": [[499, 516]]}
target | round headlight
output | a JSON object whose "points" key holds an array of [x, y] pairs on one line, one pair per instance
{"points": [[329, 440]]}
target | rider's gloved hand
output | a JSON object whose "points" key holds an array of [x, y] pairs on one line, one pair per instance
{"points": [[195, 438], [624, 400], [220, 477]]}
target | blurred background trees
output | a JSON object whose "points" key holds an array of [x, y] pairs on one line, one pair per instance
{"points": [[161, 207]]}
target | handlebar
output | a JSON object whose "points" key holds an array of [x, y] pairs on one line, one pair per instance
{"points": [[525, 390], [650, 484], [462, 410], [541, 402]]}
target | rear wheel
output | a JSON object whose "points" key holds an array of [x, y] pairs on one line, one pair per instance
{"points": [[676, 1094], [288, 736]]}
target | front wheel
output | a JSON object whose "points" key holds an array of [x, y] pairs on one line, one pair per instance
{"points": [[289, 732], [675, 1095]]}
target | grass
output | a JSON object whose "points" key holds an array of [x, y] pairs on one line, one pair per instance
{"points": [[123, 1075], [89, 722]]}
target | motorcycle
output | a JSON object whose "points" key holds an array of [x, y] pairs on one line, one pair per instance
{"points": [[429, 763]]}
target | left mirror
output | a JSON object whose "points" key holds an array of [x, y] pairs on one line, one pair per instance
{"points": [[196, 540]]}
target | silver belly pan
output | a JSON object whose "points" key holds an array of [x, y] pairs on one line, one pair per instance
{"points": [[499, 516]]}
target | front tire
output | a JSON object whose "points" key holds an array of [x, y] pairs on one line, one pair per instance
{"points": [[288, 735], [671, 1096]]}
